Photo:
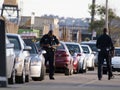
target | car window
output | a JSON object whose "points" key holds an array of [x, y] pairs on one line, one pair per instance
{"points": [[16, 43], [61, 46], [29, 42], [117, 52], [85, 49], [73, 48], [92, 46]]}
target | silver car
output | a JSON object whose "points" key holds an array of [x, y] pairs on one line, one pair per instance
{"points": [[37, 63], [90, 57], [22, 58], [10, 60], [92, 44]]}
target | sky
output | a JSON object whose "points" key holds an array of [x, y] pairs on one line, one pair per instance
{"points": [[63, 8]]}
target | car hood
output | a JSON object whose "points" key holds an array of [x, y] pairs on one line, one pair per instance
{"points": [[115, 60], [34, 55]]}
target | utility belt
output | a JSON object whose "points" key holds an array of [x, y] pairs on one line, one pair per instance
{"points": [[49, 49], [104, 49]]}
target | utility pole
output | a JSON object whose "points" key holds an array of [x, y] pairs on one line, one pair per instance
{"points": [[92, 16], [106, 17]]}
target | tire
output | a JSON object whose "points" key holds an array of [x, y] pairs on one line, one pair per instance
{"points": [[27, 78], [67, 71], [11, 80], [35, 78], [21, 79]]}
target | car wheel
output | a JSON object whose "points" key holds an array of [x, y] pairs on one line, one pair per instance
{"points": [[21, 79], [27, 78], [67, 71], [11, 80]]}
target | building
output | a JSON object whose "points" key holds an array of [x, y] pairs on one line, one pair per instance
{"points": [[40, 23]]}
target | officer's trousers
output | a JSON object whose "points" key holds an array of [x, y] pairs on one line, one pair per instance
{"points": [[50, 58], [101, 57]]}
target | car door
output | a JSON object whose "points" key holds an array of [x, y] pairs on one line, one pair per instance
{"points": [[10, 56]]}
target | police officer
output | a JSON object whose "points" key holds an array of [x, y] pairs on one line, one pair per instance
{"points": [[49, 42], [105, 46]]}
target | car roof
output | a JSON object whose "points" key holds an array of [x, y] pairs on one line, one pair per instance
{"points": [[12, 34], [72, 43], [90, 42], [117, 47], [85, 45]]}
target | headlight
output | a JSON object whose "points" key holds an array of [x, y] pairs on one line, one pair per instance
{"points": [[35, 62]]}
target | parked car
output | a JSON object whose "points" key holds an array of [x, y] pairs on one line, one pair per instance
{"points": [[115, 62], [89, 57], [37, 62], [63, 59], [92, 44], [22, 58], [10, 61], [77, 52]]}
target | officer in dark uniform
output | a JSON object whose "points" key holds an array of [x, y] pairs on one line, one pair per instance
{"points": [[105, 47], [49, 42]]}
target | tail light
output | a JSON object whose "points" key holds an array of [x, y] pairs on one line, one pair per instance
{"points": [[61, 54]]}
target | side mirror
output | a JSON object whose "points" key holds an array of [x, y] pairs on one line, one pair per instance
{"points": [[43, 51], [27, 48]]}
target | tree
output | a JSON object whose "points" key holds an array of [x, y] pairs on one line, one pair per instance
{"points": [[100, 11]]}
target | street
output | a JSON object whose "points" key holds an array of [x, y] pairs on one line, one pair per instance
{"points": [[86, 81]]}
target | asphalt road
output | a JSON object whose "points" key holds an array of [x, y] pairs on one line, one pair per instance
{"points": [[86, 81]]}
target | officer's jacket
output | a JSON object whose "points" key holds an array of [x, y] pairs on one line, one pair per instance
{"points": [[46, 39], [104, 42]]}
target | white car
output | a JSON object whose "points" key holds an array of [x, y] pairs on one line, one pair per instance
{"points": [[77, 49], [116, 60], [37, 62], [92, 44], [89, 57], [22, 59]]}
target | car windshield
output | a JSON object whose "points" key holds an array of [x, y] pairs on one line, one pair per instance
{"points": [[92, 46], [73, 48], [61, 46], [85, 49], [29, 42], [117, 52]]}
